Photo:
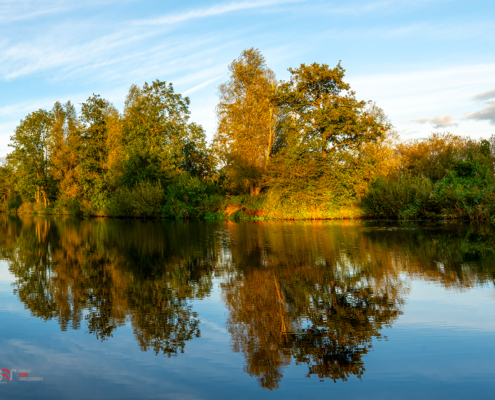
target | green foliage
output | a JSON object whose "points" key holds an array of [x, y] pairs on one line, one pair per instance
{"points": [[67, 206], [107, 164], [403, 196], [322, 114], [457, 184], [29, 159], [14, 203], [93, 149], [143, 200], [190, 197], [157, 139], [319, 163], [306, 148]]}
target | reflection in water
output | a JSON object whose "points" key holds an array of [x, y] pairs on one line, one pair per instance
{"points": [[314, 294], [105, 273], [301, 296]]}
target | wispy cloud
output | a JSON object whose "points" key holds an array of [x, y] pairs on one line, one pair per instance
{"points": [[381, 6], [201, 85], [485, 114], [19, 10], [215, 10], [489, 94], [438, 122]]}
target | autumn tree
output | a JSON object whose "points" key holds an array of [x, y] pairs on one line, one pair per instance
{"points": [[323, 113], [63, 144], [323, 128], [7, 185], [29, 158], [246, 132]]}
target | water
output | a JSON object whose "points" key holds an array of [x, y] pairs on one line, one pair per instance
{"points": [[113, 309]]}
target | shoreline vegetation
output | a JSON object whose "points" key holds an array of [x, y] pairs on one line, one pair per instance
{"points": [[305, 148]]}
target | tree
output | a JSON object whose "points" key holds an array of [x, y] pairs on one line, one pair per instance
{"points": [[247, 118], [29, 158], [323, 132], [156, 133], [7, 185], [63, 144], [322, 112], [93, 150], [198, 159]]}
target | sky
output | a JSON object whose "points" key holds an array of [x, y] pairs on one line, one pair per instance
{"points": [[430, 64]]}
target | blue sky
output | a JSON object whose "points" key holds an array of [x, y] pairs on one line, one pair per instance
{"points": [[429, 64]]}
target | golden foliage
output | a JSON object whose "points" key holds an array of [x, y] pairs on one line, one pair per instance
{"points": [[246, 130]]}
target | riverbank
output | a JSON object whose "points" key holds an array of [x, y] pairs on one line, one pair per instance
{"points": [[384, 201], [235, 208]]}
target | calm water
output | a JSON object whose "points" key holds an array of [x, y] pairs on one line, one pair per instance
{"points": [[149, 310]]}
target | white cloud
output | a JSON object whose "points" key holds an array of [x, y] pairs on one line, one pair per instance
{"points": [[413, 94], [489, 94], [215, 10], [439, 121], [19, 10], [485, 114]]}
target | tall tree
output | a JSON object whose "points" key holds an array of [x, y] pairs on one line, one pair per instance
{"points": [[247, 118], [156, 133], [30, 157], [63, 143], [7, 184], [94, 151]]}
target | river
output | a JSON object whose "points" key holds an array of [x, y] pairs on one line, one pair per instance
{"points": [[130, 309]]}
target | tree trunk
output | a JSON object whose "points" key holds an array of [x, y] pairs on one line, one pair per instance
{"points": [[254, 190]]}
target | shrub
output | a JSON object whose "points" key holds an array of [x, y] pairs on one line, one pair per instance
{"points": [[401, 196], [433, 157], [190, 197], [14, 203], [26, 208], [71, 206], [143, 200]]}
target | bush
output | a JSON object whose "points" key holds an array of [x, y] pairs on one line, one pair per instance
{"points": [[465, 193], [14, 203], [67, 206], [190, 197], [143, 200], [26, 208], [401, 196]]}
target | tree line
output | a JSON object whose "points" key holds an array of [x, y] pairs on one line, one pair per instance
{"points": [[301, 148]]}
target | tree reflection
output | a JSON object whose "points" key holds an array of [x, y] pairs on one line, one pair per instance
{"points": [[311, 304], [93, 271], [318, 293], [456, 256], [313, 294]]}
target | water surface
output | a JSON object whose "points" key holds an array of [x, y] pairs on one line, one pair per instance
{"points": [[114, 309]]}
